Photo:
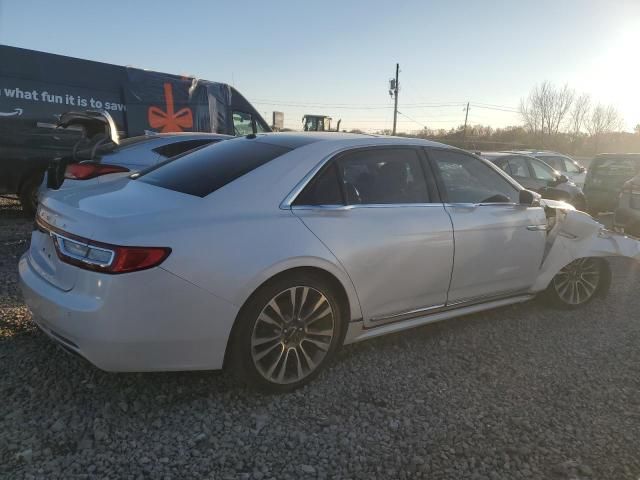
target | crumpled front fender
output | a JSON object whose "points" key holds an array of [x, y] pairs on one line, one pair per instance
{"points": [[574, 235]]}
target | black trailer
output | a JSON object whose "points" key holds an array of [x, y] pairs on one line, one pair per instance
{"points": [[37, 87]]}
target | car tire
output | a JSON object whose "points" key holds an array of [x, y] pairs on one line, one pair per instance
{"points": [[578, 283], [287, 332], [29, 194]]}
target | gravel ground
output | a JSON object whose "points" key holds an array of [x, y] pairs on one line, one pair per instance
{"points": [[520, 392]]}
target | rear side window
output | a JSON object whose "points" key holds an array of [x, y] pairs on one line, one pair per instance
{"points": [[322, 190], [205, 170], [176, 148]]}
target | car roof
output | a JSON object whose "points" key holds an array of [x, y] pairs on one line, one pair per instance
{"points": [[619, 155], [496, 155], [540, 153], [298, 139]]}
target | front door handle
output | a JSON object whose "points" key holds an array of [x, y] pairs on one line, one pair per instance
{"points": [[537, 228]]}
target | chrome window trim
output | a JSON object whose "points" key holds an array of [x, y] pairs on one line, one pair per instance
{"points": [[56, 237], [497, 204], [362, 205]]}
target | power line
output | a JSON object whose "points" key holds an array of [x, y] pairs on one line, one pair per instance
{"points": [[320, 105], [495, 108], [413, 120]]}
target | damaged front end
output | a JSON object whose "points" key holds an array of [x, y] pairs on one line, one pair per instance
{"points": [[572, 235]]}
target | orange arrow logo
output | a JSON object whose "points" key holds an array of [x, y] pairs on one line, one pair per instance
{"points": [[170, 121]]}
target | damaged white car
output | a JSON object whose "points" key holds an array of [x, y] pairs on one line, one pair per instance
{"points": [[265, 254]]}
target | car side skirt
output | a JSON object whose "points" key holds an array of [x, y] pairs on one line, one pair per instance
{"points": [[357, 331]]}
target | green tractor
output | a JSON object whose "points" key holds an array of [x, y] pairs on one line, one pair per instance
{"points": [[318, 123]]}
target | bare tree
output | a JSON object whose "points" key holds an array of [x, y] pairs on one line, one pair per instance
{"points": [[545, 108], [578, 114], [530, 114], [560, 103], [603, 119]]}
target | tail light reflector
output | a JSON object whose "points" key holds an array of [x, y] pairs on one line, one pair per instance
{"points": [[88, 170]]}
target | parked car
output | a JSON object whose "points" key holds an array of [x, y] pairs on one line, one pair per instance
{"points": [[134, 154], [607, 174], [534, 174], [138, 100], [627, 214], [564, 164], [266, 253]]}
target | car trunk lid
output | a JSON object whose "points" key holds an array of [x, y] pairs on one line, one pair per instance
{"points": [[110, 212]]}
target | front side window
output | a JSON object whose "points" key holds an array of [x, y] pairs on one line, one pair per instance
{"points": [[557, 163], [517, 167], [310, 124], [242, 124], [469, 180], [542, 171], [571, 167], [383, 176]]}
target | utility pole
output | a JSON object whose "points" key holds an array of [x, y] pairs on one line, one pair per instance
{"points": [[464, 132], [394, 92]]}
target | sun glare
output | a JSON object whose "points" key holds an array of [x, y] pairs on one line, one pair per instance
{"points": [[616, 72]]}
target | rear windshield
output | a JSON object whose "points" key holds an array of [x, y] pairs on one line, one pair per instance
{"points": [[125, 143], [615, 166], [204, 171]]}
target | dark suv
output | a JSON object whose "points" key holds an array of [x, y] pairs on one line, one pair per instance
{"points": [[607, 174], [534, 174]]}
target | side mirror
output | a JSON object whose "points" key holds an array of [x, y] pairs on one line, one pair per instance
{"points": [[529, 198], [562, 178], [581, 169]]}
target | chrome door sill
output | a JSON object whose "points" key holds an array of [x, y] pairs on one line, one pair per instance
{"points": [[357, 331]]}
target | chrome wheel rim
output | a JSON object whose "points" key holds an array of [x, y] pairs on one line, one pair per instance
{"points": [[577, 282], [292, 334]]}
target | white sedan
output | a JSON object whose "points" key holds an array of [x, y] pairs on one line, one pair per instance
{"points": [[267, 253]]}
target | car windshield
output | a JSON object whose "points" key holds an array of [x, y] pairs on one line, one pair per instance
{"points": [[125, 144], [615, 166]]}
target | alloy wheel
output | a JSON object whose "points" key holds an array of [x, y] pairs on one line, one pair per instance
{"points": [[292, 335], [577, 282]]}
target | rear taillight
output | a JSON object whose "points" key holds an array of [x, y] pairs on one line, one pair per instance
{"points": [[103, 257], [88, 170]]}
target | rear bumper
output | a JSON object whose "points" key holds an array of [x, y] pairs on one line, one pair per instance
{"points": [[144, 321]]}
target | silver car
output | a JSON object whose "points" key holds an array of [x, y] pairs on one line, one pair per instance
{"points": [[267, 253], [134, 154]]}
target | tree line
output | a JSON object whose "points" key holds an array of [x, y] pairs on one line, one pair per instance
{"points": [[554, 118]]}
